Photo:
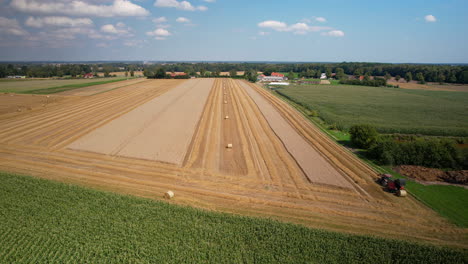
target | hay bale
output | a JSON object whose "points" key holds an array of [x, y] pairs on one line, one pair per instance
{"points": [[225, 102], [226, 117], [169, 195], [229, 146]]}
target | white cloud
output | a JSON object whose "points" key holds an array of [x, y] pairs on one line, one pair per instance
{"points": [[11, 27], [57, 21], [102, 45], [159, 33], [120, 29], [80, 8], [263, 33], [183, 20], [334, 33], [276, 25], [210, 1], [298, 28], [430, 18], [320, 19], [159, 20], [182, 5], [133, 43]]}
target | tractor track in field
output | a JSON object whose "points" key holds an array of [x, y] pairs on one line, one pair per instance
{"points": [[259, 176]]}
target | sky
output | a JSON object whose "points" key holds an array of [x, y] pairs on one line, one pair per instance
{"points": [[398, 31]]}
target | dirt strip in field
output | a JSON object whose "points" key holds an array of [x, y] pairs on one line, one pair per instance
{"points": [[317, 169], [158, 130], [95, 89]]}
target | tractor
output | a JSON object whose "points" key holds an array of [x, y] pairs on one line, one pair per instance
{"points": [[394, 186]]}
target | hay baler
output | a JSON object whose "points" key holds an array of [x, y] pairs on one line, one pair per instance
{"points": [[394, 186]]}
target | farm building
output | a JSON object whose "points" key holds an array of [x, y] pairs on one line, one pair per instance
{"points": [[275, 77], [323, 76], [88, 76]]}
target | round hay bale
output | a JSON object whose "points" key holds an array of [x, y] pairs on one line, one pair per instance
{"points": [[225, 102], [229, 145], [226, 117], [401, 193], [169, 195]]}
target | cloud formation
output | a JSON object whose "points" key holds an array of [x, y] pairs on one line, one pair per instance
{"points": [[159, 33], [11, 27], [122, 8], [183, 20], [298, 28], [119, 29], [57, 21], [320, 19], [334, 33], [182, 5], [159, 20], [430, 18]]}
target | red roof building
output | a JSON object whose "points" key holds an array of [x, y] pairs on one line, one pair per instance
{"points": [[88, 75], [275, 74]]}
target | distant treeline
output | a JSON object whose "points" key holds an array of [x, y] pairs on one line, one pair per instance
{"points": [[419, 72]]}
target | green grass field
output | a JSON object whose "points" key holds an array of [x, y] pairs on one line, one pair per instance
{"points": [[46, 86], [44, 221], [448, 201], [391, 110]]}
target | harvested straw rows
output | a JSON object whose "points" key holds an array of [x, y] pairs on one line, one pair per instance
{"points": [[259, 175]]}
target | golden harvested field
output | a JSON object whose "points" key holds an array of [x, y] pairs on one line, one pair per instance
{"points": [[279, 166], [431, 86]]}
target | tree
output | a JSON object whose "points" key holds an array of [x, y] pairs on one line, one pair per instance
{"points": [[160, 73], [420, 78], [233, 73], [387, 76], [202, 72], [126, 73], [358, 72], [363, 136], [268, 71], [328, 72], [251, 75], [132, 73], [291, 75], [340, 73], [408, 77], [106, 73], [367, 77], [397, 78]]}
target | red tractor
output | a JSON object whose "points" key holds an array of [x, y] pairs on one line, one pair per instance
{"points": [[394, 186]]}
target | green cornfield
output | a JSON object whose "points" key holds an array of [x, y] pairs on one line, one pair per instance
{"points": [[390, 110], [48, 222]]}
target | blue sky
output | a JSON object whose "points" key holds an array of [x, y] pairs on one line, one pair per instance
{"points": [[417, 31]]}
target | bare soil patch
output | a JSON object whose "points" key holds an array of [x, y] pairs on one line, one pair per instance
{"points": [[432, 175], [431, 86], [317, 169], [158, 130]]}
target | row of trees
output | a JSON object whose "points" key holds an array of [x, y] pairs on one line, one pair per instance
{"points": [[434, 153], [376, 82], [419, 72], [60, 70]]}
